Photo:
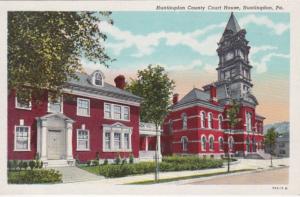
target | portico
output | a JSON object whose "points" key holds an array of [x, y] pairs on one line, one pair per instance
{"points": [[54, 139]]}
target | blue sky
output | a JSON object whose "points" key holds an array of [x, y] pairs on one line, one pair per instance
{"points": [[186, 42]]}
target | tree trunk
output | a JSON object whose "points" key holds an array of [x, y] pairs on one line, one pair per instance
{"points": [[156, 155]]}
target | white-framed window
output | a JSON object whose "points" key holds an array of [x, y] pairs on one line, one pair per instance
{"points": [[220, 120], [83, 140], [116, 112], [22, 105], [210, 119], [211, 143], [116, 139], [22, 138], [184, 121], [184, 141], [98, 79], [248, 121], [230, 142], [202, 119], [221, 143], [203, 143], [83, 107], [170, 127], [55, 106]]}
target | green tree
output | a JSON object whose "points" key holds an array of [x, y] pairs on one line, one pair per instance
{"points": [[45, 49], [270, 141], [232, 114], [156, 89]]}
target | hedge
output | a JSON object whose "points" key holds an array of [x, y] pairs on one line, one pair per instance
{"points": [[168, 164], [34, 176]]}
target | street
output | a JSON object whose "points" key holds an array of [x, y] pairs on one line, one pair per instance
{"points": [[268, 177]]}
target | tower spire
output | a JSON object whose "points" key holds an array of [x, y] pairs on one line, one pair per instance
{"points": [[232, 24]]}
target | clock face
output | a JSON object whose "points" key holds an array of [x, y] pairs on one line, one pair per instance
{"points": [[229, 56]]}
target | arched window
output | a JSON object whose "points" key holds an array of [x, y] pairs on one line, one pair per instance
{"points": [[184, 121], [202, 119], [98, 80], [211, 143], [184, 141], [220, 120], [221, 143], [203, 143], [170, 126], [210, 117], [248, 121], [230, 142]]}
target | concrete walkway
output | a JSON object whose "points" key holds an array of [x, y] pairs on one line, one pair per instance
{"points": [[243, 164], [74, 174]]}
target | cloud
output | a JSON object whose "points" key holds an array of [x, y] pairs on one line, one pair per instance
{"points": [[262, 65], [179, 67], [278, 28]]}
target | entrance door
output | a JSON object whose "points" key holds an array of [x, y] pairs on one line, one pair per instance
{"points": [[55, 145]]}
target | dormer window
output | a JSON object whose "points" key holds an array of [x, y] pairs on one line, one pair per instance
{"points": [[98, 80]]}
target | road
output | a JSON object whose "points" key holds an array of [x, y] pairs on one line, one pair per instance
{"points": [[268, 177]]}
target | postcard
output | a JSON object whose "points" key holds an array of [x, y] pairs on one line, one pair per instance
{"points": [[127, 97]]}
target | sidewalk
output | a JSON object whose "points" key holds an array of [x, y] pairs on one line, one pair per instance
{"points": [[243, 164]]}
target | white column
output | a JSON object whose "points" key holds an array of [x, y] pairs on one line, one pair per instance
{"points": [[146, 141], [69, 129], [158, 147], [43, 139]]}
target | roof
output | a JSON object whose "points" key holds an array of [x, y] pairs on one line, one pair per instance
{"points": [[194, 94], [107, 89], [259, 117], [232, 24]]}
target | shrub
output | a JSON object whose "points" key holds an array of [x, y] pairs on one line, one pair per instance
{"points": [[25, 165], [35, 176], [88, 163], [32, 164], [131, 158], [15, 164], [118, 160], [105, 162], [95, 162], [41, 165], [37, 164], [124, 161], [20, 165], [9, 165]]}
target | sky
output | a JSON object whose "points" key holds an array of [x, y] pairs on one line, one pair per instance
{"points": [[185, 44]]}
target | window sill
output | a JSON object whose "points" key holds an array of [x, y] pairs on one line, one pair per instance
{"points": [[23, 108], [84, 115], [83, 150], [117, 150], [116, 119], [27, 150]]}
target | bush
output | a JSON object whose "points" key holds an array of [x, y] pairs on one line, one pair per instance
{"points": [[9, 165], [15, 164], [34, 176], [20, 165], [25, 165], [105, 162], [88, 163], [95, 162], [117, 160], [131, 159], [32, 164], [124, 161], [41, 165], [37, 164]]}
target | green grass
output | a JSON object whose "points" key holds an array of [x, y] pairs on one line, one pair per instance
{"points": [[147, 182]]}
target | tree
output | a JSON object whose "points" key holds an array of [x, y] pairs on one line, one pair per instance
{"points": [[232, 114], [270, 141], [45, 48], [156, 88]]}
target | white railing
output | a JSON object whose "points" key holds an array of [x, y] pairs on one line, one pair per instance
{"points": [[148, 128]]}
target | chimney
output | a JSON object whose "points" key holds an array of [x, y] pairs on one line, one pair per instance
{"points": [[175, 98], [120, 82], [213, 94]]}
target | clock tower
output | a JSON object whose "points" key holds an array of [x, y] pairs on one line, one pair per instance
{"points": [[234, 69]]}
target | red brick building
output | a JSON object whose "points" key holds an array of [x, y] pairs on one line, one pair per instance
{"points": [[197, 123]]}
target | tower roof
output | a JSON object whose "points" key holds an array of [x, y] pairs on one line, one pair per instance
{"points": [[232, 24]]}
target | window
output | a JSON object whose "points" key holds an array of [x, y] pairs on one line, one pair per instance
{"points": [[203, 143], [202, 119], [210, 120], [248, 121], [55, 106], [126, 141], [170, 127], [116, 112], [83, 107], [117, 141], [107, 110], [248, 144], [184, 121], [184, 141], [126, 113], [220, 121], [281, 145], [83, 139], [221, 143], [22, 138], [98, 79], [23, 104], [230, 142], [107, 141], [211, 143]]}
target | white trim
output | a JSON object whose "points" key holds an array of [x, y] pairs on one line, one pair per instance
{"points": [[203, 149], [61, 105], [220, 122], [202, 119], [100, 97], [220, 147], [89, 146], [182, 143], [89, 107], [112, 111], [15, 139], [94, 77], [211, 136], [210, 120], [25, 108]]}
